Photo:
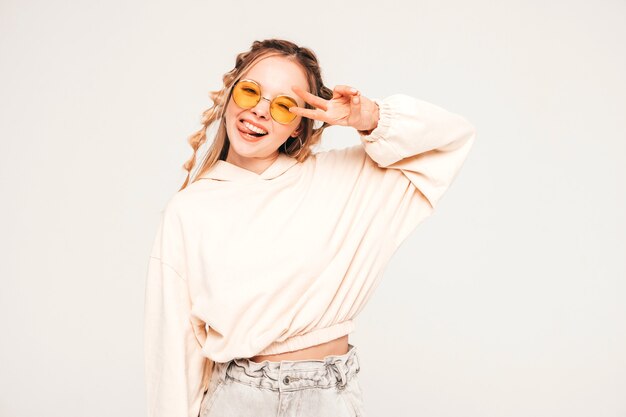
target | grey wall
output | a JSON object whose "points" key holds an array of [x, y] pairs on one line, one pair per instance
{"points": [[508, 301]]}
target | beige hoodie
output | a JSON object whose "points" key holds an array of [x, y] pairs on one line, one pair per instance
{"points": [[246, 264]]}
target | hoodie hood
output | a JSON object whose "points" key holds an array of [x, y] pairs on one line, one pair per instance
{"points": [[225, 171]]}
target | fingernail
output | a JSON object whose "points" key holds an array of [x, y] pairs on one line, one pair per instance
{"points": [[353, 90], [355, 100]]}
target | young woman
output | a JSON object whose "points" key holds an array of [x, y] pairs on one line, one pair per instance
{"points": [[262, 263]]}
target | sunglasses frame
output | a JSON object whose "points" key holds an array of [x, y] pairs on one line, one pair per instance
{"points": [[261, 97]]}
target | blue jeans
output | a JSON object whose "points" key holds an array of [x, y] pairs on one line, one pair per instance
{"points": [[317, 388]]}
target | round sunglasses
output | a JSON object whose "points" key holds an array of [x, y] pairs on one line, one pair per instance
{"points": [[247, 94]]}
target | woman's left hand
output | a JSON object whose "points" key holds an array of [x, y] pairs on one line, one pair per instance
{"points": [[347, 107]]}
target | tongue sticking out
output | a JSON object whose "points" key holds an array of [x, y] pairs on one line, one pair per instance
{"points": [[252, 133]]}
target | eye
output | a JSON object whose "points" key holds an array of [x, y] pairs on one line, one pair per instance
{"points": [[249, 90]]}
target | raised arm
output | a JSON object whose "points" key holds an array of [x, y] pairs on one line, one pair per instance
{"points": [[403, 167], [426, 142]]}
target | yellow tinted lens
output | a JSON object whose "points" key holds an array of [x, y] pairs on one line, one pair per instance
{"points": [[280, 109], [246, 94]]}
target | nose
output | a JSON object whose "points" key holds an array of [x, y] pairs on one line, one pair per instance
{"points": [[261, 109]]}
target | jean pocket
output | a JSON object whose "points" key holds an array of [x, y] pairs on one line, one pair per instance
{"points": [[209, 398], [352, 398]]}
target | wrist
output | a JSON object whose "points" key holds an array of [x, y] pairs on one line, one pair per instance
{"points": [[375, 112]]}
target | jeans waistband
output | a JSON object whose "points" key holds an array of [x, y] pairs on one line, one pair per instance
{"points": [[293, 375]]}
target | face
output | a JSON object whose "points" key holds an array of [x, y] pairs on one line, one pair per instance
{"points": [[275, 75]]}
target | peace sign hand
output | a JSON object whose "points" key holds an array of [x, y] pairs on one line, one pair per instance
{"points": [[346, 108]]}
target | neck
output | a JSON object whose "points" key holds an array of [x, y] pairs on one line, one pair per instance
{"points": [[257, 165]]}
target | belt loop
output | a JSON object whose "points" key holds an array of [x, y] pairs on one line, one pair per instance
{"points": [[226, 368], [355, 362], [340, 371]]}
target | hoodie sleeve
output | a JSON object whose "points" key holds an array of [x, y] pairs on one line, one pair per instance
{"points": [[176, 371], [406, 164]]}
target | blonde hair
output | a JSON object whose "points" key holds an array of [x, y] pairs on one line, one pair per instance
{"points": [[298, 147]]}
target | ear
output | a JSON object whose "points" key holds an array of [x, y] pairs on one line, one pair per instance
{"points": [[296, 132]]}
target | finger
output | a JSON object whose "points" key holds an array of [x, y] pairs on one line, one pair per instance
{"points": [[344, 90], [315, 114], [312, 99]]}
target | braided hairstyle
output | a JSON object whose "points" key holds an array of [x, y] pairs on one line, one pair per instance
{"points": [[308, 136]]}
